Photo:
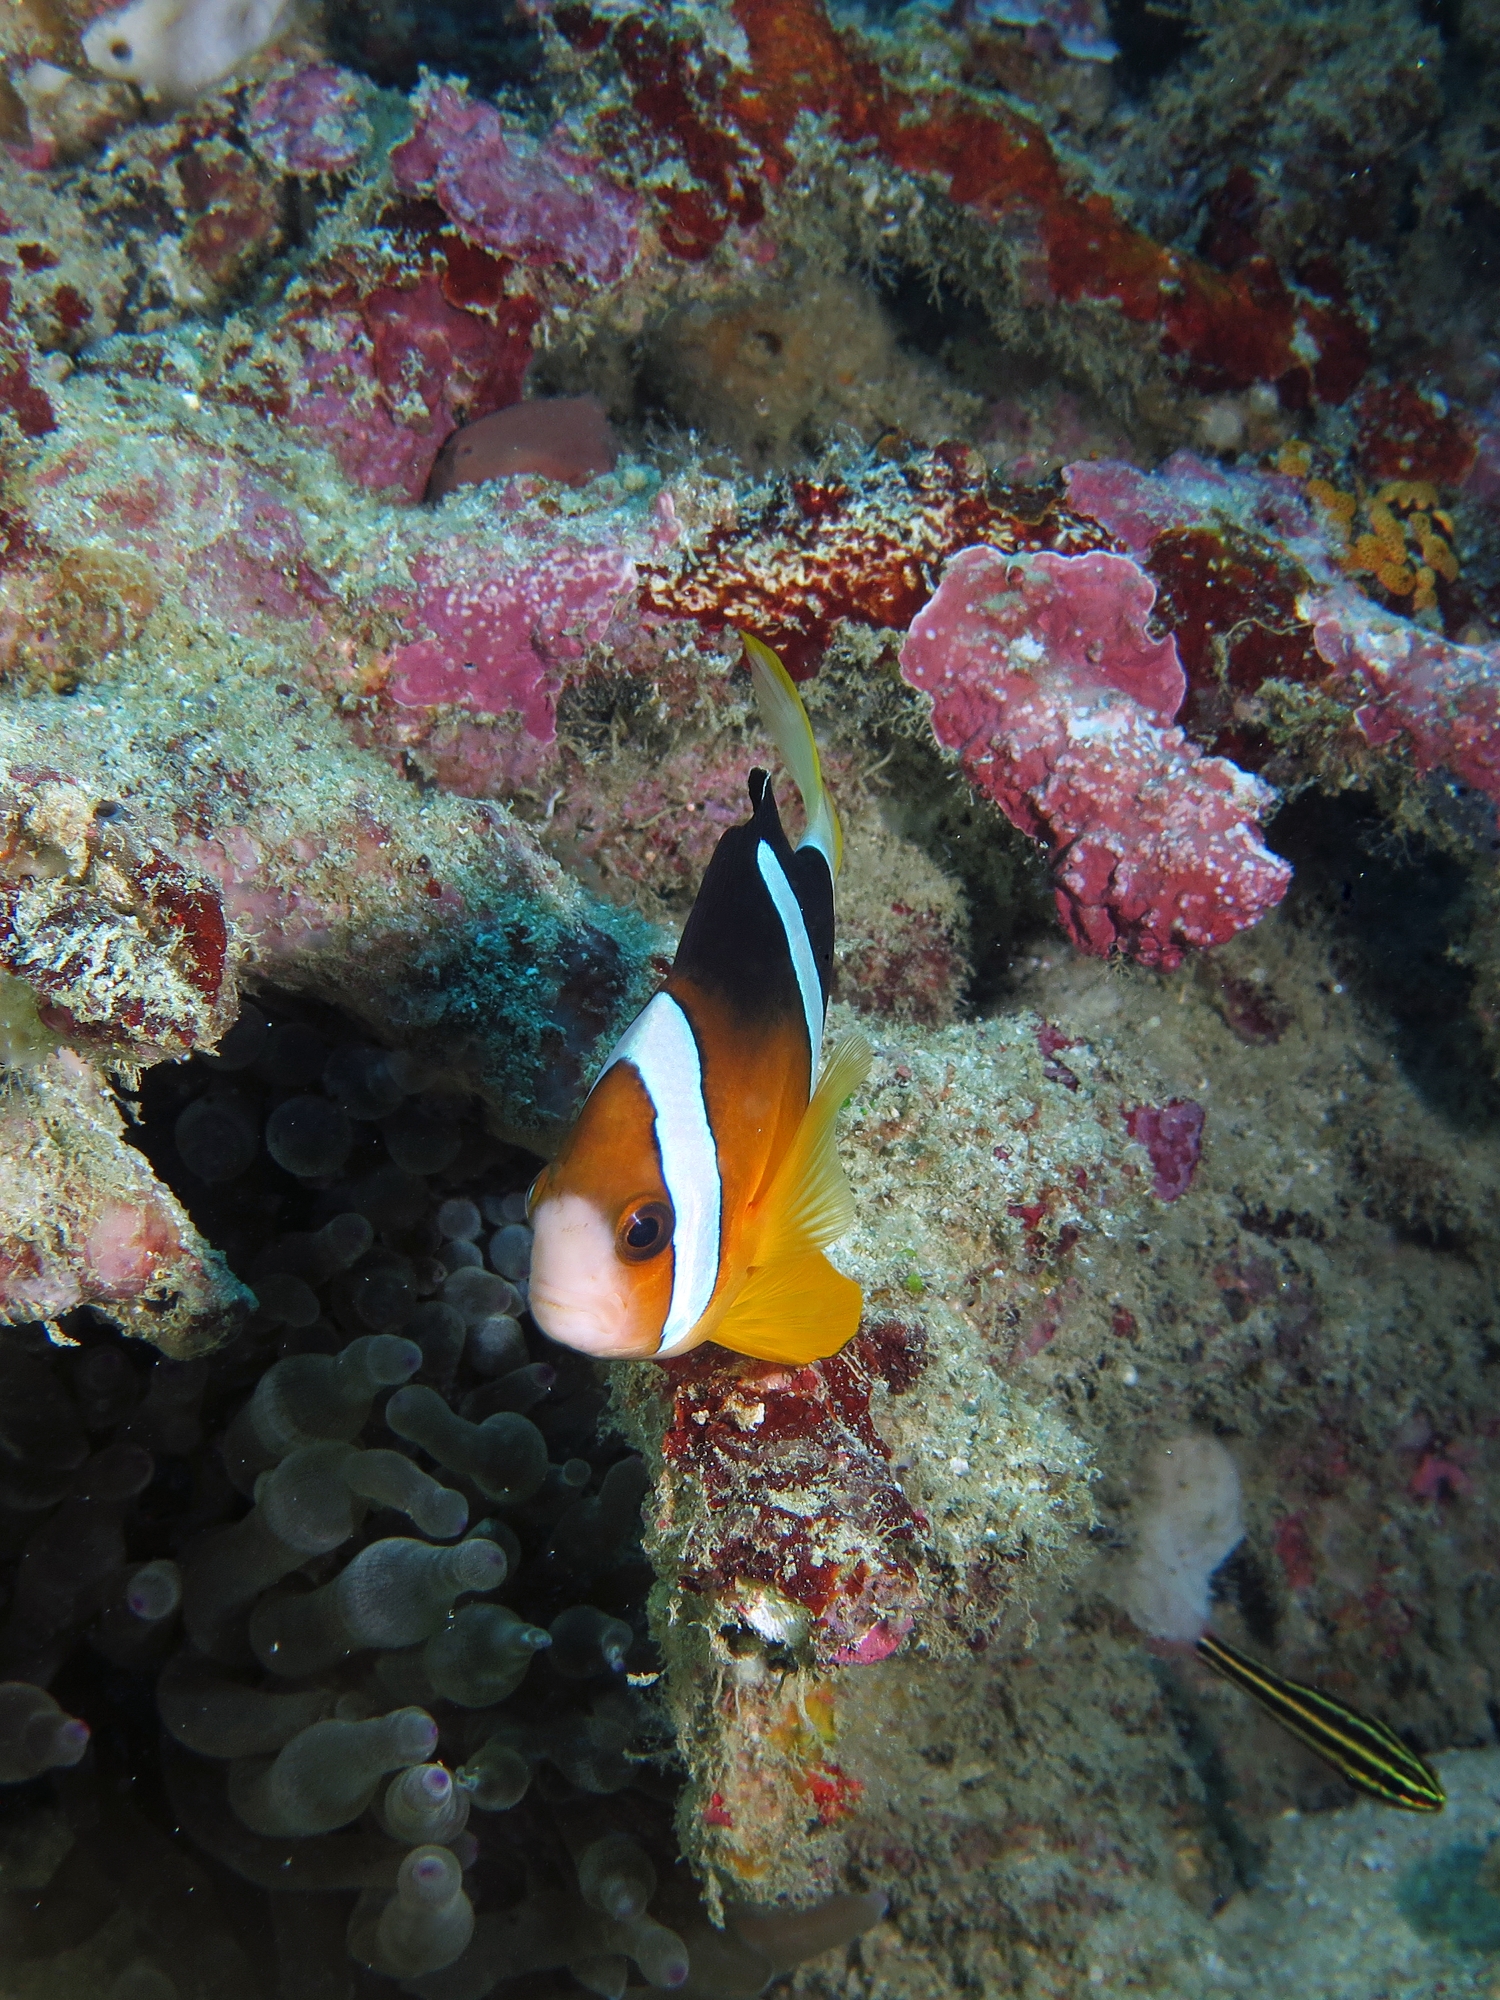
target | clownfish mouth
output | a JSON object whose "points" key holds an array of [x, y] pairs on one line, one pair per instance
{"points": [[580, 1292]]}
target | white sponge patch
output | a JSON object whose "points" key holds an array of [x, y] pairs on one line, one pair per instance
{"points": [[1191, 1521]]}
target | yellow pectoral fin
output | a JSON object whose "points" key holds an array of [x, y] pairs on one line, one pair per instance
{"points": [[794, 1306], [808, 1203], [794, 1312]]}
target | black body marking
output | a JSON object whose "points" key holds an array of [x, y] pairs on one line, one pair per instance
{"points": [[733, 943]]}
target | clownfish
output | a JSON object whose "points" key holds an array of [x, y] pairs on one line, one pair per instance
{"points": [[695, 1196]]}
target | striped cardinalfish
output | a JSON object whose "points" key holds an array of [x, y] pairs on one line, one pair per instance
{"points": [[695, 1196], [1372, 1757]]}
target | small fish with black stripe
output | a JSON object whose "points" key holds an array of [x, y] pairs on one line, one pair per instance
{"points": [[1367, 1753]]}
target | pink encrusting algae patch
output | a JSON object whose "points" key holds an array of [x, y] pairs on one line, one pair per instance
{"points": [[1172, 1135], [1047, 683], [1188, 491], [1441, 698], [502, 633], [542, 204], [457, 362], [125, 1247], [338, 403], [309, 121], [403, 374]]}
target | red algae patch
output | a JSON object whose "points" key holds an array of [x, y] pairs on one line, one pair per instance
{"points": [[1173, 1136], [759, 1440]]}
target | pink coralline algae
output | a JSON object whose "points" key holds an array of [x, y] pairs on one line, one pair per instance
{"points": [[85, 1222], [1187, 491], [202, 518], [1045, 680], [338, 401], [1050, 1041], [541, 204], [19, 393], [401, 374], [1172, 1135], [502, 633], [309, 121], [1412, 686], [383, 358], [1295, 1552], [454, 361], [1439, 1479]]}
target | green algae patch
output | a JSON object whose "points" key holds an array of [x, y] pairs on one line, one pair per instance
{"points": [[539, 983], [24, 1037], [1452, 1897]]}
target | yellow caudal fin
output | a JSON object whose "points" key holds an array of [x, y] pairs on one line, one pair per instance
{"points": [[786, 721], [793, 1305]]}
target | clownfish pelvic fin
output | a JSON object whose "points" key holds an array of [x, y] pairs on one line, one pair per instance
{"points": [[787, 725], [794, 1306]]}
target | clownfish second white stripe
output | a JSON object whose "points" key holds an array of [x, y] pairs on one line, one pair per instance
{"points": [[700, 1187], [809, 986]]}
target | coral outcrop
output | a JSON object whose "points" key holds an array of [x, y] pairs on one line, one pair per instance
{"points": [[809, 1523], [85, 1223], [1044, 680]]}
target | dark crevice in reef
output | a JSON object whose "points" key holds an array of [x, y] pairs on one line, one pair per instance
{"points": [[1151, 35], [1400, 915], [1245, 1858], [1444, 15], [943, 324], [175, 1539], [392, 41], [1003, 875], [935, 320], [1242, 1578]]}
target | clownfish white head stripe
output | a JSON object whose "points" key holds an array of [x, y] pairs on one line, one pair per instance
{"points": [[660, 1048], [695, 1196]]}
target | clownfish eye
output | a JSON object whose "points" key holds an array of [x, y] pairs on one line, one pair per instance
{"points": [[645, 1231]]}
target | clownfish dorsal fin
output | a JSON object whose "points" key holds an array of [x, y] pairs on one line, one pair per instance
{"points": [[786, 721], [794, 1306]]}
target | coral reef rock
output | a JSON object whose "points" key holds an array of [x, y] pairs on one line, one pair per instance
{"points": [[402, 408]]}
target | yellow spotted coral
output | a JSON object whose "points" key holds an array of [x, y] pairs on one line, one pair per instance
{"points": [[1405, 541]]}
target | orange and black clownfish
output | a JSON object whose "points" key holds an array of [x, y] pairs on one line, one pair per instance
{"points": [[694, 1197]]}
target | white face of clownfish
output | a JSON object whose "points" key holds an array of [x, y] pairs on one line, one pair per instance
{"points": [[584, 1291], [692, 1199], [618, 1264]]}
